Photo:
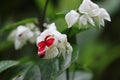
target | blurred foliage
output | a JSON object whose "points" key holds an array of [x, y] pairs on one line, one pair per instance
{"points": [[99, 49]]}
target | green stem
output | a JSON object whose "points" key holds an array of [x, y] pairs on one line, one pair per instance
{"points": [[42, 19], [67, 74]]}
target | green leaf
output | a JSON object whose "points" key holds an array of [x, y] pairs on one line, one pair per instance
{"points": [[69, 5], [58, 15], [18, 72], [7, 64], [12, 26], [48, 68], [33, 73]]}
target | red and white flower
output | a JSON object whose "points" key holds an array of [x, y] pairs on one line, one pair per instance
{"points": [[52, 43]]}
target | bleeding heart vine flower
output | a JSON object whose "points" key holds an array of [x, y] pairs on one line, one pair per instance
{"points": [[52, 43], [87, 13], [103, 15], [89, 8], [71, 18], [90, 11], [22, 34]]}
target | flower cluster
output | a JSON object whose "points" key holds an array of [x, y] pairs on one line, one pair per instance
{"points": [[88, 12], [52, 43], [24, 33]]}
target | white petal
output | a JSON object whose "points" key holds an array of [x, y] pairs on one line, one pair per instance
{"points": [[84, 19], [60, 37], [51, 26], [67, 56], [69, 48], [101, 22], [36, 34], [83, 8], [62, 49], [89, 8], [90, 20], [21, 29], [51, 53], [66, 49], [67, 60], [71, 18], [31, 26], [104, 14], [29, 34], [18, 44]]}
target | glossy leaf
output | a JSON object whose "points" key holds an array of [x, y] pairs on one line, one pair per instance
{"points": [[33, 73], [7, 64]]}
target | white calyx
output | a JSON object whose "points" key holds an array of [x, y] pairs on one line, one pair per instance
{"points": [[88, 12]]}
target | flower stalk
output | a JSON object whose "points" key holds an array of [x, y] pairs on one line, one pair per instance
{"points": [[42, 19], [67, 74]]}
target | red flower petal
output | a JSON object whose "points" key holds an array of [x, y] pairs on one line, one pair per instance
{"points": [[50, 41], [41, 55], [47, 37], [41, 45]]}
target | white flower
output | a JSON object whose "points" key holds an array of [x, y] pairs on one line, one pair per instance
{"points": [[71, 18], [87, 13], [52, 43], [20, 36], [103, 15], [89, 8]]}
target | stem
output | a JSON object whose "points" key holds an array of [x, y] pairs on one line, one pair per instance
{"points": [[42, 20], [67, 74]]}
